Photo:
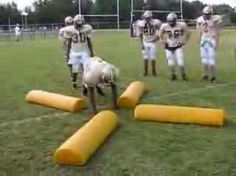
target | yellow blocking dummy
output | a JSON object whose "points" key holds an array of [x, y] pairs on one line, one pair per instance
{"points": [[57, 101], [175, 114], [131, 95], [80, 146]]}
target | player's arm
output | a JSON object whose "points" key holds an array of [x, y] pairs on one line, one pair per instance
{"points": [[141, 37], [68, 48], [88, 38], [91, 97], [90, 46], [68, 42], [114, 95], [161, 34], [157, 37], [199, 31]]}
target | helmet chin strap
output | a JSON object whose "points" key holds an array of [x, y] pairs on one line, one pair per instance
{"points": [[207, 16], [173, 23], [78, 26]]}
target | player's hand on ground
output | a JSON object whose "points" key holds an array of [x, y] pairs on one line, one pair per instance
{"points": [[115, 107]]}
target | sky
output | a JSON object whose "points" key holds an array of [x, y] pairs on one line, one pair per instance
{"points": [[23, 3]]}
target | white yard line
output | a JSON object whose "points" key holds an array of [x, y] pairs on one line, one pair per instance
{"points": [[39, 118], [191, 91]]}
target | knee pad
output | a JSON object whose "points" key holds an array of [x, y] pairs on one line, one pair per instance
{"points": [[75, 68], [153, 51], [205, 61], [171, 62], [179, 57], [180, 62], [145, 56], [170, 58], [212, 56], [212, 62]]}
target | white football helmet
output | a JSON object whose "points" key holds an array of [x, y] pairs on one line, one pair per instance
{"points": [[171, 19], [207, 12], [109, 74], [147, 15], [79, 20], [68, 20]]}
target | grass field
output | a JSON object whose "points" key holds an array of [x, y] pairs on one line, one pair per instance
{"points": [[29, 134]]}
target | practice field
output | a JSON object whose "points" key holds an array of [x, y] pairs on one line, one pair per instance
{"points": [[29, 134]]}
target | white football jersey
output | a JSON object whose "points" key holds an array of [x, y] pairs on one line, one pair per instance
{"points": [[174, 35], [61, 34], [93, 68], [150, 30], [79, 37], [17, 30], [209, 27]]}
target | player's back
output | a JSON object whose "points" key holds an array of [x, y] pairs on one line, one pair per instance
{"points": [[93, 69], [149, 29]]}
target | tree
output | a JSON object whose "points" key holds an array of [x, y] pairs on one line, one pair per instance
{"points": [[9, 12], [105, 6], [60, 9]]}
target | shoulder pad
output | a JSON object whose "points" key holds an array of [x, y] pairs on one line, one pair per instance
{"points": [[200, 19]]}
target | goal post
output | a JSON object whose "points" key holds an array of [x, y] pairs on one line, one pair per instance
{"points": [[115, 16]]}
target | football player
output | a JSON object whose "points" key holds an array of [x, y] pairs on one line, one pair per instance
{"points": [[208, 26], [64, 41], [18, 32], [98, 71], [174, 35], [148, 34], [79, 46]]}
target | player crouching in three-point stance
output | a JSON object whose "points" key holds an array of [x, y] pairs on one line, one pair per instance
{"points": [[174, 35], [79, 46], [98, 71], [64, 41], [148, 30], [208, 26]]}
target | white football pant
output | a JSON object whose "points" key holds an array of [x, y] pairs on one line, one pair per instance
{"points": [[149, 51], [175, 57]]}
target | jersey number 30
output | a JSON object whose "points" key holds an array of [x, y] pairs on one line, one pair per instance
{"points": [[79, 38]]}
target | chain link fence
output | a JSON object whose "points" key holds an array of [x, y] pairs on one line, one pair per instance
{"points": [[47, 31]]}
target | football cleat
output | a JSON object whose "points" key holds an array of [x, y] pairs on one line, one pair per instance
{"points": [[173, 77]]}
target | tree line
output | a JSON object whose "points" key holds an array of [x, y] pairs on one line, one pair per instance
{"points": [[54, 11]]}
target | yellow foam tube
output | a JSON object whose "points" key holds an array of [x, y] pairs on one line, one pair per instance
{"points": [[176, 114], [131, 95], [80, 146], [57, 101]]}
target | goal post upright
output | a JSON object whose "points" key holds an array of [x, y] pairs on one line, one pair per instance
{"points": [[117, 14]]}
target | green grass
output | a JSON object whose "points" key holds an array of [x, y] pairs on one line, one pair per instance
{"points": [[135, 148]]}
